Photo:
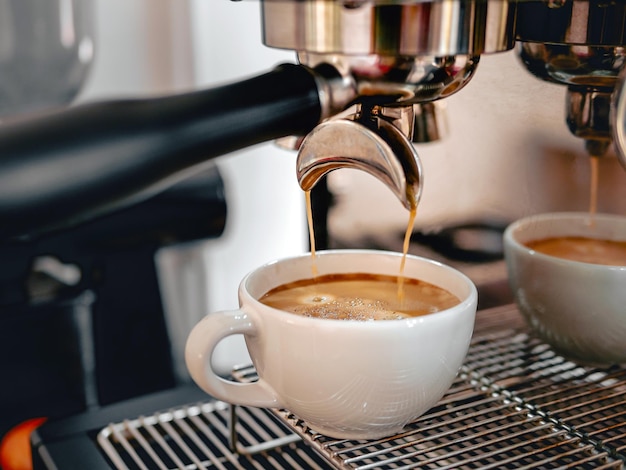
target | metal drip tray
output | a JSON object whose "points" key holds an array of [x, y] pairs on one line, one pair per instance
{"points": [[515, 404]]}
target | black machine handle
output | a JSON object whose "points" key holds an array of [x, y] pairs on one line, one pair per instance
{"points": [[66, 167]]}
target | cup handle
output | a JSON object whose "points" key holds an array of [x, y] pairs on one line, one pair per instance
{"points": [[201, 343]]}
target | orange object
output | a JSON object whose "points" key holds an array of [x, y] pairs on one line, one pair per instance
{"points": [[15, 451]]}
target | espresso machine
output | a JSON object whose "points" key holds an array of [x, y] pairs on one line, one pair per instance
{"points": [[363, 93]]}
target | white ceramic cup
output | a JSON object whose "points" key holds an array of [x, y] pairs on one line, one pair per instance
{"points": [[578, 308], [345, 378]]}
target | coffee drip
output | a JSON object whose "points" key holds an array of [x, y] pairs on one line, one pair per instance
{"points": [[365, 141]]}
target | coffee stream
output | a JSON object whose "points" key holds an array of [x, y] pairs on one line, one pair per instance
{"points": [[309, 218], [405, 250], [593, 188], [405, 245]]}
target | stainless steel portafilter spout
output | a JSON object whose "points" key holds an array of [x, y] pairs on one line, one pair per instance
{"points": [[588, 117], [367, 143], [418, 50]]}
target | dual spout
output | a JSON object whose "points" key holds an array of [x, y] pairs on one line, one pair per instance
{"points": [[363, 141]]}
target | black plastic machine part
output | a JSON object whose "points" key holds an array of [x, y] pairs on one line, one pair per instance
{"points": [[69, 166], [66, 348]]}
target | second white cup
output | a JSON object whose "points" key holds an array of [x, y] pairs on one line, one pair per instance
{"points": [[579, 308]]}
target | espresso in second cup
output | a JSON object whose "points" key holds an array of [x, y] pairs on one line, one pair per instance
{"points": [[359, 296], [586, 250]]}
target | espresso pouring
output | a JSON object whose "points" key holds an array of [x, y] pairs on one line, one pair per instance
{"points": [[359, 296]]}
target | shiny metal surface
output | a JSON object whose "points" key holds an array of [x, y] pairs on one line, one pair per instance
{"points": [[588, 117], [410, 79], [574, 22], [420, 51], [197, 436], [436, 28], [369, 144], [515, 405], [394, 54], [336, 90], [579, 44], [429, 122], [573, 65]]}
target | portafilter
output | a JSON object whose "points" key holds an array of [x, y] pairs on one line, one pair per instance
{"points": [[579, 44]]}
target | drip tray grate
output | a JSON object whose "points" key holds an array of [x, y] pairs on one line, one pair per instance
{"points": [[515, 404]]}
